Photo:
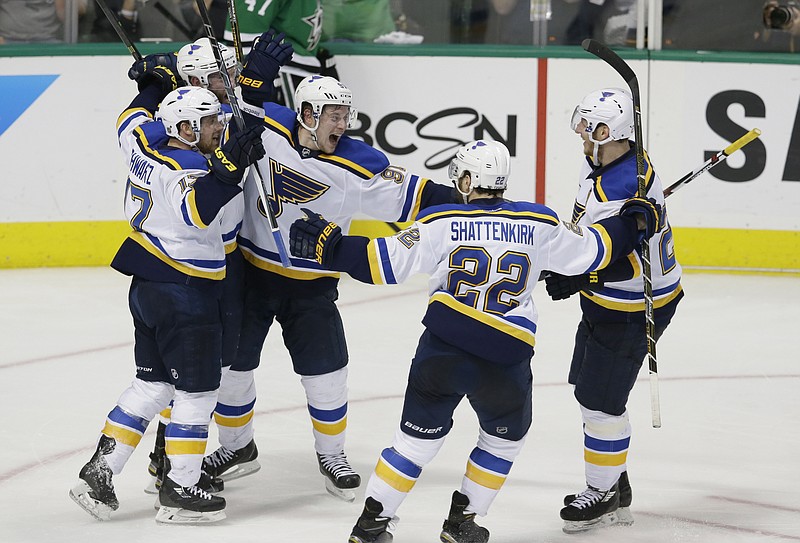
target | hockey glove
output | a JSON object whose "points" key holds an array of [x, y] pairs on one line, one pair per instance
{"points": [[650, 212], [146, 64], [241, 150], [265, 59], [314, 238], [561, 287], [146, 73]]}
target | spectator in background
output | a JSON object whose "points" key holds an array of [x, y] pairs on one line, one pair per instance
{"points": [[510, 22], [34, 21], [128, 15], [363, 21]]}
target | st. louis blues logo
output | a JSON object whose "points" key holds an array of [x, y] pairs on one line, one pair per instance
{"points": [[290, 186]]}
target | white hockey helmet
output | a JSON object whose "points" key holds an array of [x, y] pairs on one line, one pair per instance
{"points": [[612, 107], [488, 162], [197, 59], [320, 91], [187, 104]]}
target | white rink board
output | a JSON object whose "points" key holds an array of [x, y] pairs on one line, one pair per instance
{"points": [[61, 161]]}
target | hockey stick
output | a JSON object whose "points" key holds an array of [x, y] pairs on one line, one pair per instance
{"points": [[237, 37], [713, 161], [174, 20], [237, 115], [621, 67], [117, 26]]}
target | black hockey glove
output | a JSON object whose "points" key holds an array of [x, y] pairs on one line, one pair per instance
{"points": [[268, 54], [146, 64], [242, 149], [561, 287], [648, 209], [314, 237]]}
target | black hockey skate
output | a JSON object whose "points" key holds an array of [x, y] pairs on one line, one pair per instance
{"points": [[624, 515], [187, 505], [228, 465], [206, 482], [591, 509], [340, 479], [154, 468], [95, 491], [460, 527], [371, 527]]}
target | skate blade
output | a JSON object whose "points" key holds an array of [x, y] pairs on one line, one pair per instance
{"points": [[624, 516], [578, 526], [346, 494], [241, 470], [176, 515], [151, 487], [80, 495]]}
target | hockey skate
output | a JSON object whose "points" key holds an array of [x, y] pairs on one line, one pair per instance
{"points": [[187, 505], [624, 515], [207, 482], [340, 479], [154, 468], [460, 527], [591, 509], [371, 527], [95, 491], [228, 465]]}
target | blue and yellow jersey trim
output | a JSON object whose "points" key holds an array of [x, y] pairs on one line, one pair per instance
{"points": [[604, 247], [380, 266], [357, 157], [457, 210], [129, 115], [413, 199], [631, 302], [517, 327], [270, 261], [620, 182], [207, 269]]}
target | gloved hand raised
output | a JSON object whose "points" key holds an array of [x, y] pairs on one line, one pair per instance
{"points": [[648, 210], [314, 237], [241, 150], [561, 287], [261, 67], [152, 68]]}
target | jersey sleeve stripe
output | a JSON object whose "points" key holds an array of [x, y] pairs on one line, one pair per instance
{"points": [[412, 202], [190, 204], [128, 115], [604, 246]]}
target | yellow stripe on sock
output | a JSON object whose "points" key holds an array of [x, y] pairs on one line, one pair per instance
{"points": [[122, 435], [233, 422], [392, 478], [484, 478], [185, 447], [605, 459], [330, 429]]}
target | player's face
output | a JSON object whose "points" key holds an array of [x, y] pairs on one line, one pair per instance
{"points": [[217, 86], [581, 130], [331, 127], [210, 132]]}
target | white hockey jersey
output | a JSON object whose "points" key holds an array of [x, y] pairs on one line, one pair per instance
{"points": [[161, 205], [356, 179], [601, 193], [484, 260]]}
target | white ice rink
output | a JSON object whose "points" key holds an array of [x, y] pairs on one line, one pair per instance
{"points": [[725, 466]]}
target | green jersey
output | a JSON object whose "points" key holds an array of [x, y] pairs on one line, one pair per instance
{"points": [[300, 20]]}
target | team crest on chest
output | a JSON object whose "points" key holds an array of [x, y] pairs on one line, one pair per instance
{"points": [[290, 186]]}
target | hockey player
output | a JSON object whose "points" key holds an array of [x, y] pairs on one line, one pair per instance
{"points": [[310, 160], [179, 179], [610, 344], [484, 258], [196, 64]]}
